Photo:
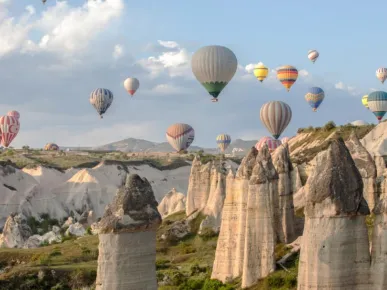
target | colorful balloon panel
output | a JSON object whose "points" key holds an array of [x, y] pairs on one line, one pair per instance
{"points": [[214, 66], [101, 99], [180, 136], [272, 144], [9, 128], [223, 141], [51, 147], [287, 75], [314, 97], [261, 72], [131, 85], [377, 103], [14, 114], [276, 116], [313, 55]]}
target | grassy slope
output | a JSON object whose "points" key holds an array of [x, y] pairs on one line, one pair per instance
{"points": [[187, 263]]}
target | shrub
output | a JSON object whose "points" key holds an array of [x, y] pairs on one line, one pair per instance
{"points": [[329, 126], [162, 264]]}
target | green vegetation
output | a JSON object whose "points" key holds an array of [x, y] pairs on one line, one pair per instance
{"points": [[321, 134]]}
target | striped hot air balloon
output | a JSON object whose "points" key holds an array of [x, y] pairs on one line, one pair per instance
{"points": [[14, 114], [261, 72], [51, 147], [223, 141], [272, 144], [214, 66], [285, 140], [381, 74], [313, 55], [314, 97], [180, 136], [287, 75], [364, 101], [131, 85], [276, 116], [101, 99], [9, 128], [377, 103]]}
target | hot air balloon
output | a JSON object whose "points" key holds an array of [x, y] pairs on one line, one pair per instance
{"points": [[285, 140], [364, 101], [14, 114], [51, 147], [214, 66], [223, 141], [314, 97], [101, 99], [131, 85], [381, 74], [261, 72], [287, 75], [9, 128], [272, 144], [276, 116], [313, 55], [180, 136], [377, 103]]}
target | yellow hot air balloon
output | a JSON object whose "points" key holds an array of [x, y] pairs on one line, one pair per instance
{"points": [[364, 101], [287, 75], [261, 72]]}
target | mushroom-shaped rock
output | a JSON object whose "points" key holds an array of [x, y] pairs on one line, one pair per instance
{"points": [[127, 238], [335, 250]]}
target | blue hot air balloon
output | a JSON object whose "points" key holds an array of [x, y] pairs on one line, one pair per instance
{"points": [[314, 97], [101, 99], [377, 103]]}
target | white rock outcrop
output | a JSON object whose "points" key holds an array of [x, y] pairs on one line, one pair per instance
{"points": [[172, 202], [15, 232], [76, 229], [36, 241]]}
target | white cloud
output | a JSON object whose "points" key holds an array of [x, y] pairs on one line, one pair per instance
{"points": [[118, 51], [167, 89], [169, 44], [303, 73], [350, 89], [31, 10], [250, 67]]}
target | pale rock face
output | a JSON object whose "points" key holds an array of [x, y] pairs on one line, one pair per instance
{"points": [[172, 202], [376, 140], [285, 213], [68, 222], [335, 248], [366, 167], [177, 231], [36, 240], [229, 255], [15, 232], [76, 229], [127, 235], [260, 236]]}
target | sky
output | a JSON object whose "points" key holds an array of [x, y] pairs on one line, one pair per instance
{"points": [[52, 56]]}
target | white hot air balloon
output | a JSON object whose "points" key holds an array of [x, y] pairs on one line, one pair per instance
{"points": [[381, 74], [313, 55], [180, 136], [276, 116], [131, 85]]}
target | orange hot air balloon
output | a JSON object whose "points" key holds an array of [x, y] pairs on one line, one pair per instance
{"points": [[287, 75]]}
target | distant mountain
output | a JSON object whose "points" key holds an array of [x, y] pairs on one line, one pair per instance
{"points": [[140, 145]]}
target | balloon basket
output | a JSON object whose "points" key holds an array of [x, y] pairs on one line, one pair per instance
{"points": [[214, 100]]}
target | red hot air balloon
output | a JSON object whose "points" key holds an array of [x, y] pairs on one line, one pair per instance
{"points": [[15, 114], [272, 143], [9, 127]]}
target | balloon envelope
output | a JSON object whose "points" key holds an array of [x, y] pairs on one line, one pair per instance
{"points": [[51, 147], [101, 99], [314, 97], [223, 141], [261, 72], [276, 116], [131, 85], [377, 103], [364, 101], [9, 128], [180, 136], [14, 114], [287, 75], [214, 66], [272, 144], [381, 74], [313, 55]]}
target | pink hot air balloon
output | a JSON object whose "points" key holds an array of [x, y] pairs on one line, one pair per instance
{"points": [[15, 114], [271, 143], [9, 127], [285, 140]]}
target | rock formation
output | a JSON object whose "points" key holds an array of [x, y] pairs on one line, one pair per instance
{"points": [[172, 202], [15, 232], [229, 256], [36, 240], [335, 248], [366, 167], [284, 209], [261, 221], [127, 238]]}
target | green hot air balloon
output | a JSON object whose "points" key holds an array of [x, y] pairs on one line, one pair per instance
{"points": [[214, 66]]}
